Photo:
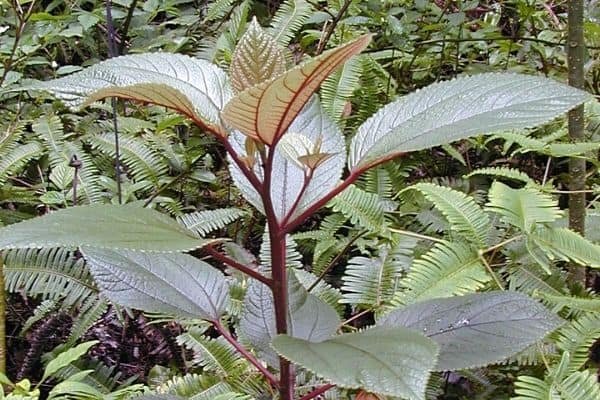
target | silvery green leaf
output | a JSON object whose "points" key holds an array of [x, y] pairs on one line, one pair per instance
{"points": [[174, 284], [476, 329], [448, 111], [388, 361], [203, 84], [309, 317], [101, 225], [287, 176]]}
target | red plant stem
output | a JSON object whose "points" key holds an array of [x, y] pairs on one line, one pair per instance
{"points": [[307, 178], [279, 276], [217, 255], [293, 224], [248, 173], [317, 391], [244, 352]]}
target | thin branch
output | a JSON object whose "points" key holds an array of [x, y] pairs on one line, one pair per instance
{"points": [[417, 235], [331, 27], [335, 260], [22, 18], [217, 255], [247, 355], [126, 24], [317, 391], [307, 178]]}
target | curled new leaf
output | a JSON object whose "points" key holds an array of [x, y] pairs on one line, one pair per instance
{"points": [[265, 111]]}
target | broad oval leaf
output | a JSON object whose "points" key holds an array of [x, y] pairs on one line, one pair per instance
{"points": [[477, 329], [256, 58], [310, 318], [172, 80], [287, 176], [389, 361], [104, 226], [67, 357], [265, 111], [174, 284], [449, 111]]}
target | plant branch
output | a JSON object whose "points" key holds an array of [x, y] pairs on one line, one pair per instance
{"points": [[317, 391], [307, 178], [417, 235], [335, 260], [244, 352], [331, 27], [292, 224], [279, 288], [22, 18], [126, 24], [217, 255]]}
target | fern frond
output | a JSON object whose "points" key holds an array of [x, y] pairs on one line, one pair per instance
{"points": [[12, 161], [50, 273], [197, 387], [523, 208], [363, 209], [203, 222], [288, 20], [378, 180], [504, 172], [577, 337], [217, 9], [338, 88], [447, 269], [322, 290], [567, 245], [580, 385], [371, 282], [215, 355], [293, 257], [462, 212], [528, 278], [41, 311], [50, 131], [88, 314], [142, 161], [532, 388], [571, 303]]}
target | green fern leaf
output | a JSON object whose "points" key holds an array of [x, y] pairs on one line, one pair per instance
{"points": [[564, 244], [12, 161], [215, 355], [577, 337], [371, 282], [206, 221], [362, 208], [338, 88], [462, 212], [288, 20], [504, 172], [143, 162], [447, 269], [523, 208], [50, 273]]}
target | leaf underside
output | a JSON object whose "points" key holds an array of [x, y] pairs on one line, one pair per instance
{"points": [[477, 329], [448, 111], [173, 284], [102, 226], [389, 361]]}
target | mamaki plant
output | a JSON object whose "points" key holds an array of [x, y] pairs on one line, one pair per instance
{"points": [[288, 159]]}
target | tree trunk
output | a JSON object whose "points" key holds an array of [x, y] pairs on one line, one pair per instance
{"points": [[575, 55]]}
